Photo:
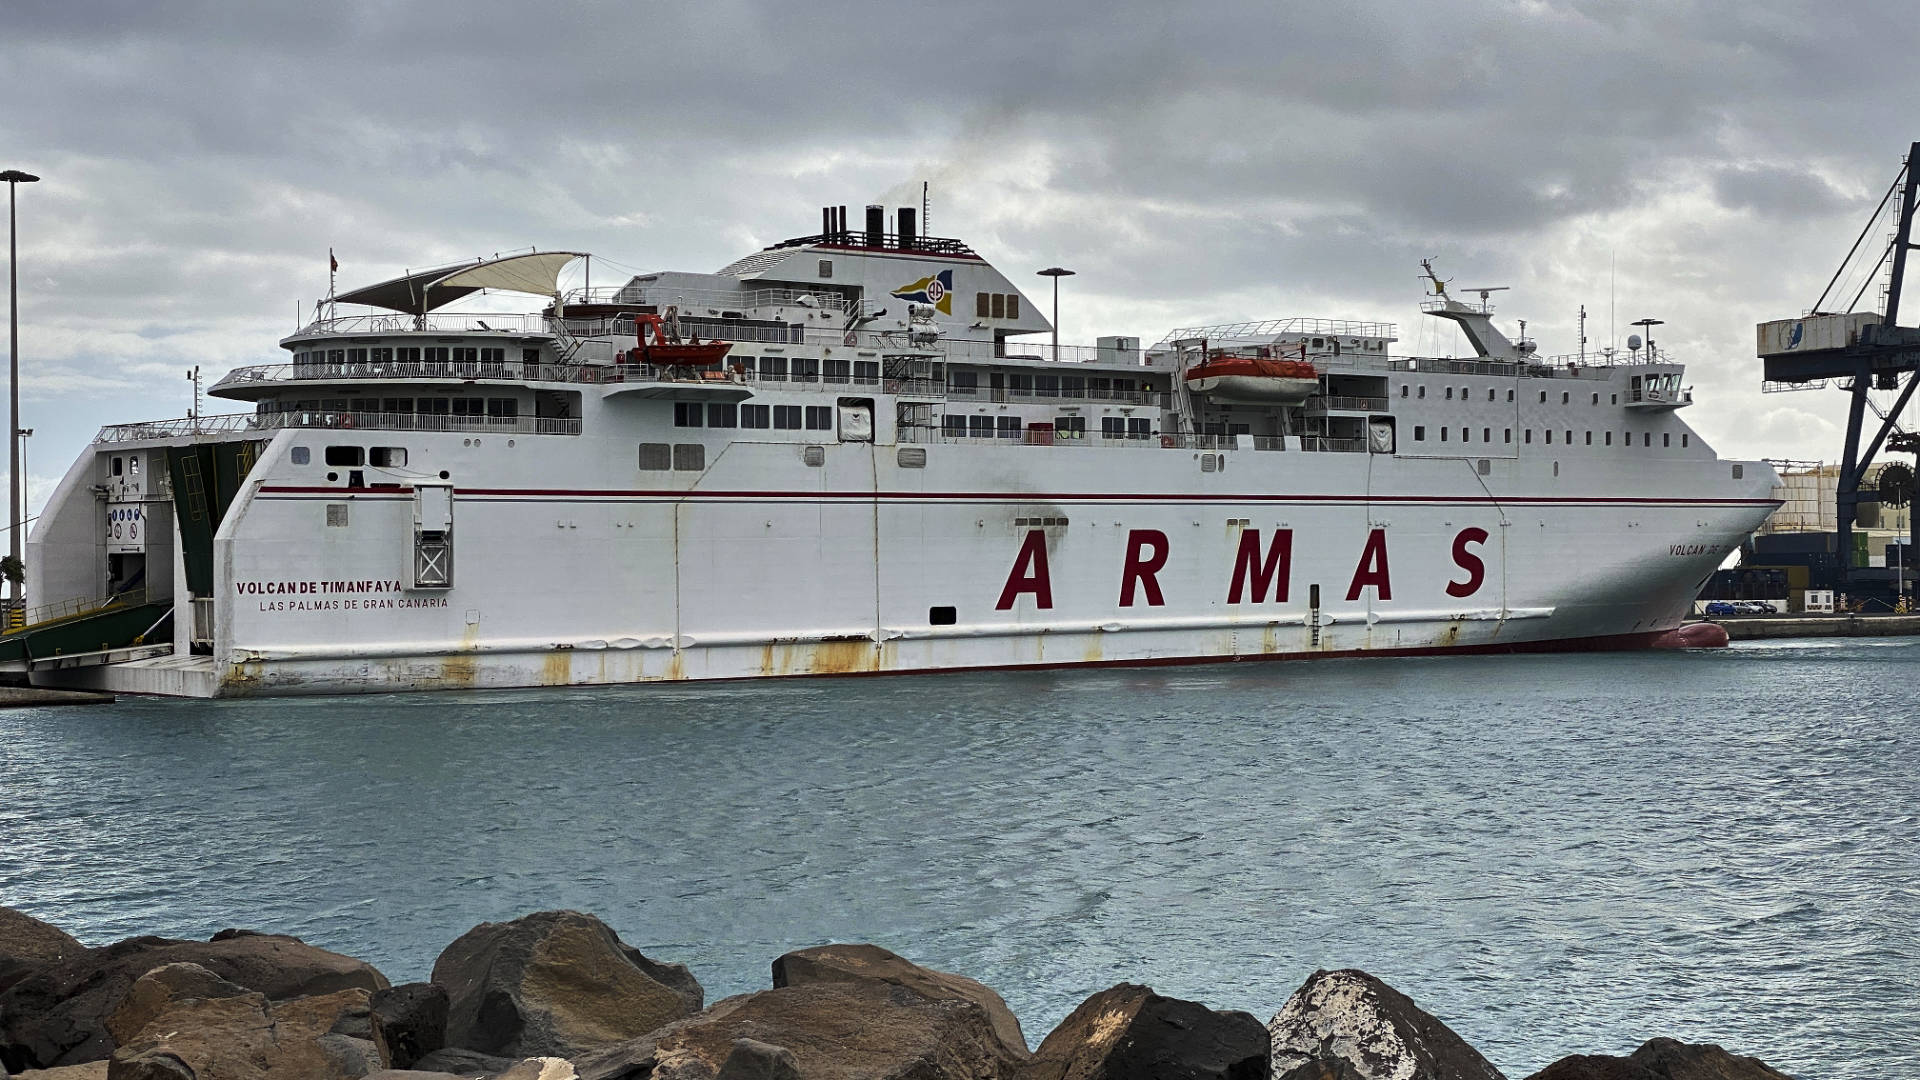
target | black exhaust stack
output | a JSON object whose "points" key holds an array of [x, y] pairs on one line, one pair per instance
{"points": [[876, 226], [908, 225]]}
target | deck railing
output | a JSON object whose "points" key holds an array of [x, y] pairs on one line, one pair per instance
{"points": [[231, 423]]}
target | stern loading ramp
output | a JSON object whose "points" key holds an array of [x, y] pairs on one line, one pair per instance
{"points": [[132, 625]]}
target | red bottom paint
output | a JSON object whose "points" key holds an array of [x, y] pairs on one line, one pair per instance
{"points": [[1700, 635]]}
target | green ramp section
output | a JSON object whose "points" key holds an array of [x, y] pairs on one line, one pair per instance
{"points": [[206, 477], [114, 623]]}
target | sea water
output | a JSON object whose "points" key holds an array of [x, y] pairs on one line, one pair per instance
{"points": [[1555, 854]]}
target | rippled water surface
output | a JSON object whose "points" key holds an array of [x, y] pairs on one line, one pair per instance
{"points": [[1556, 855]]}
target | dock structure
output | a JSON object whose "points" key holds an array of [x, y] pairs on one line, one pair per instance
{"points": [[1859, 351]]}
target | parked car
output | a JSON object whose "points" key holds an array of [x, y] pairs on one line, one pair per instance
{"points": [[1721, 607], [1755, 607]]}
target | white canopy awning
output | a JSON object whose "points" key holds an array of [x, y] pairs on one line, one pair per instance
{"points": [[537, 273]]}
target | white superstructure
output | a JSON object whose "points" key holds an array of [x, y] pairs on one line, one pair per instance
{"points": [[890, 471]]}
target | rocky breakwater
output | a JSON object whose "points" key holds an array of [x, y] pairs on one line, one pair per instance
{"points": [[558, 996]]}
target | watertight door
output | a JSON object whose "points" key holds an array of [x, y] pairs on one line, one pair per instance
{"points": [[432, 536]]}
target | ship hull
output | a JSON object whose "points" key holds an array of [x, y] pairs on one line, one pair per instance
{"points": [[766, 567]]}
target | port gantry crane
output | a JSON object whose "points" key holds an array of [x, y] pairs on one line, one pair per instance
{"points": [[1864, 350]]}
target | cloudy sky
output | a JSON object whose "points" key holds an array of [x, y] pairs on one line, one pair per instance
{"points": [[1704, 163]]}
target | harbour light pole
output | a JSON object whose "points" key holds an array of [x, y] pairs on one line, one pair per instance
{"points": [[1056, 273], [14, 178]]}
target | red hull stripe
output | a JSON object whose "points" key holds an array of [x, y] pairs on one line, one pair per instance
{"points": [[1032, 496]]}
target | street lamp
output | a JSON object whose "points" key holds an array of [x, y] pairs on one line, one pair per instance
{"points": [[1056, 273], [14, 178]]}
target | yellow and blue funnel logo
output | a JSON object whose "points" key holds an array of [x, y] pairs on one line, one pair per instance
{"points": [[936, 290]]}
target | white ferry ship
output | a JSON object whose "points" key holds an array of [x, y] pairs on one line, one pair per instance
{"points": [[857, 452]]}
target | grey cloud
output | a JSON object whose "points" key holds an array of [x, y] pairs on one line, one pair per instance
{"points": [[1197, 161]]}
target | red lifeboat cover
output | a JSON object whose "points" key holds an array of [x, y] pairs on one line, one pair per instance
{"points": [[1258, 367]]}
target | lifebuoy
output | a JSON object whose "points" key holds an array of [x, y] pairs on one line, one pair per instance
{"points": [[346, 420], [1166, 442]]}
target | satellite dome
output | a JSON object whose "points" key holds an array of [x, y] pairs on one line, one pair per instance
{"points": [[1633, 341]]}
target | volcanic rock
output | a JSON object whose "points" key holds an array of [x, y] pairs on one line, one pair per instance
{"points": [[1351, 1021], [1662, 1059], [452, 1059], [538, 1068], [855, 963], [1131, 1033], [555, 983], [236, 1034], [28, 945], [410, 1021], [58, 1016], [755, 1060], [868, 1029], [92, 1070]]}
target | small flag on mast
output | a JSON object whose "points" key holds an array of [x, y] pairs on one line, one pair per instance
{"points": [[333, 264]]}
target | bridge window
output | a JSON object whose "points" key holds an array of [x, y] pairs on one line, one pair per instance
{"points": [[999, 305]]}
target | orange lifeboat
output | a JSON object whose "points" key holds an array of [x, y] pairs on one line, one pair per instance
{"points": [[1253, 378], [667, 350]]}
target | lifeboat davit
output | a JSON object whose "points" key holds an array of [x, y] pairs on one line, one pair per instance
{"points": [[1253, 378], [667, 350]]}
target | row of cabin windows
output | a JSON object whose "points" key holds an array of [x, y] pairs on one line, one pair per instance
{"points": [[1048, 385], [352, 457], [1064, 427], [682, 457], [715, 414], [996, 305], [498, 408], [1566, 398], [414, 354], [1486, 435], [810, 369]]}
